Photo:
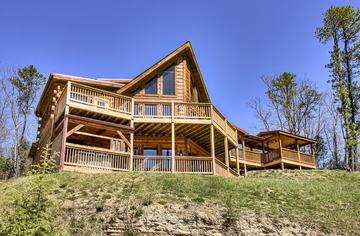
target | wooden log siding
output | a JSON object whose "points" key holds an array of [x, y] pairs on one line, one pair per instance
{"points": [[99, 99], [152, 163], [201, 165], [60, 105], [289, 154], [87, 157], [156, 110], [56, 147], [192, 111]]}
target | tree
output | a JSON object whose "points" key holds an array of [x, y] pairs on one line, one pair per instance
{"points": [[341, 26], [20, 89], [291, 105], [320, 150]]}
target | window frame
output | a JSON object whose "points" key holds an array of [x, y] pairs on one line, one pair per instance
{"points": [[174, 79], [155, 78]]}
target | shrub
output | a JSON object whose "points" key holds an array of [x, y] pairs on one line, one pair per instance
{"points": [[31, 211]]}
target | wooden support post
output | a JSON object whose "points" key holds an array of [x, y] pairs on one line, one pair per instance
{"points": [[298, 153], [172, 138], [132, 135], [63, 142], [280, 153], [212, 147], [237, 160], [244, 156], [131, 146], [227, 155]]}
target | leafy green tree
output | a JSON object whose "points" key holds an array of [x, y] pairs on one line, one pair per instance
{"points": [[341, 27], [320, 150], [292, 104]]}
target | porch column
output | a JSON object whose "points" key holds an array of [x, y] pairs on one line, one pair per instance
{"points": [[280, 152], [64, 135], [172, 138], [237, 160], [298, 153], [244, 156], [132, 136], [263, 153], [212, 147], [226, 154]]}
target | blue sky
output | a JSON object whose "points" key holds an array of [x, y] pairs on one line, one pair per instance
{"points": [[235, 42]]}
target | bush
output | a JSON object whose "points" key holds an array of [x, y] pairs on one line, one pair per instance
{"points": [[29, 211], [4, 168]]}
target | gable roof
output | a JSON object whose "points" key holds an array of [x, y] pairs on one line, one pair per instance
{"points": [[285, 133], [185, 48]]}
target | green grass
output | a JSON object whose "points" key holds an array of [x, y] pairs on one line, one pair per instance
{"points": [[328, 199]]}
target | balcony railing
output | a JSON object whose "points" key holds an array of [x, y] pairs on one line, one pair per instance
{"points": [[93, 99], [89, 158], [99, 99], [152, 110], [192, 111], [152, 163], [307, 158], [289, 154], [202, 165]]}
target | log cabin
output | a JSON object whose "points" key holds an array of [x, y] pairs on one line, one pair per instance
{"points": [[161, 121]]}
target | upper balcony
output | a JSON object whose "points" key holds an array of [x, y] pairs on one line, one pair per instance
{"points": [[185, 113], [88, 99]]}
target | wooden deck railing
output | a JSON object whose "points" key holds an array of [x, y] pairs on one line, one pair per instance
{"points": [[307, 158], [87, 157], [202, 165], [152, 163], [192, 111], [152, 110], [270, 156], [220, 168], [219, 119], [289, 154], [99, 99], [253, 156]]}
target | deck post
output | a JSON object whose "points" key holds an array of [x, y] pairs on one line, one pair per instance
{"points": [[131, 136], [64, 135], [237, 160], [244, 155], [172, 138], [226, 149], [298, 153], [212, 147], [280, 153]]}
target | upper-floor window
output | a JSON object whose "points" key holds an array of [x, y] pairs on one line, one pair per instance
{"points": [[169, 81], [151, 86]]}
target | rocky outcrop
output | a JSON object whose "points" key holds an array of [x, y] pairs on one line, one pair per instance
{"points": [[203, 219]]}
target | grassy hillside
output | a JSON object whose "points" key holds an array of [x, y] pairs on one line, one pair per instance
{"points": [[329, 200]]}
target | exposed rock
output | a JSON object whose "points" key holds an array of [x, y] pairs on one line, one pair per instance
{"points": [[177, 219]]}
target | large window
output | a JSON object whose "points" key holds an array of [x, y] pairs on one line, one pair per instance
{"points": [[151, 86], [150, 152], [169, 81]]}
